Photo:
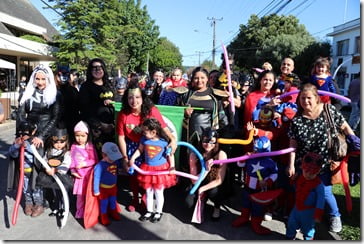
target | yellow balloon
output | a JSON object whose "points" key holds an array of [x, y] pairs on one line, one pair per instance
{"points": [[237, 141]]}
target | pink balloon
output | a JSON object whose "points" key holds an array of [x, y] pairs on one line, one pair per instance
{"points": [[325, 93], [164, 172], [255, 155]]}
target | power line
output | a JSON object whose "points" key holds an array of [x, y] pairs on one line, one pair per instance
{"points": [[306, 8], [275, 6], [283, 6], [51, 7], [266, 7]]}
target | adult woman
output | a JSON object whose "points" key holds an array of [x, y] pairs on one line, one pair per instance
{"points": [[96, 95], [215, 185], [308, 134], [40, 105], [136, 108], [202, 96], [263, 89]]}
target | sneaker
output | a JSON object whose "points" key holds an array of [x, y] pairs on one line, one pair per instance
{"points": [[268, 216], [335, 224]]}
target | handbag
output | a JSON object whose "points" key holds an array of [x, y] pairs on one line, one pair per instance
{"points": [[337, 144], [197, 216]]}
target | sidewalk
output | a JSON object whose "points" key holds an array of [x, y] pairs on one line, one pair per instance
{"points": [[175, 223]]}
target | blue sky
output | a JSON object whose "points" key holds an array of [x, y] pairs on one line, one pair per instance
{"points": [[187, 23]]}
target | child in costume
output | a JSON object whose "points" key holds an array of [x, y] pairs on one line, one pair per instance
{"points": [[168, 96], [322, 79], [157, 158], [291, 83], [33, 194], [105, 179], [83, 158], [260, 174], [58, 158], [310, 199]]}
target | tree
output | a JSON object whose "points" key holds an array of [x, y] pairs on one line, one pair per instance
{"points": [[304, 61], [165, 56], [270, 38], [120, 32]]}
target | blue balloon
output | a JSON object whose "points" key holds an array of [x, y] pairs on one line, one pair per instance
{"points": [[202, 161]]}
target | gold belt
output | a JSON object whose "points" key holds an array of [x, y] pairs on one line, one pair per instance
{"points": [[28, 170], [107, 186]]}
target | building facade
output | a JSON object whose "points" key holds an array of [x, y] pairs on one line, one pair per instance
{"points": [[346, 53], [19, 19]]}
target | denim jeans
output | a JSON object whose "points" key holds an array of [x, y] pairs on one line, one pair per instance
{"points": [[330, 200], [354, 115], [32, 196]]}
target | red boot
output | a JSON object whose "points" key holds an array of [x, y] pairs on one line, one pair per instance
{"points": [[104, 219], [114, 214], [256, 223], [242, 219]]}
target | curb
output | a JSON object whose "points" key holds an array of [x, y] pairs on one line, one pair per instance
{"points": [[7, 125]]}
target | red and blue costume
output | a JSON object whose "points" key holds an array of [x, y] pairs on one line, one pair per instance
{"points": [[256, 170], [105, 179], [155, 152], [310, 202], [324, 84]]}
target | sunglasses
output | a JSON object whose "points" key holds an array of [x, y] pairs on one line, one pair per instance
{"points": [[23, 133], [96, 68], [209, 141]]}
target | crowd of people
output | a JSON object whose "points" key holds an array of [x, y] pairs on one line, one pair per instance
{"points": [[78, 131]]}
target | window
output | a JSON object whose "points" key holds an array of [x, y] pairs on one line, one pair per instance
{"points": [[357, 45], [343, 47]]}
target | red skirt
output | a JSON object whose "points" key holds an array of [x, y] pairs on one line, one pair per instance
{"points": [[156, 181]]}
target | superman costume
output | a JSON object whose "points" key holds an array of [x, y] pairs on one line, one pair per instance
{"points": [[323, 84], [155, 157], [105, 178]]}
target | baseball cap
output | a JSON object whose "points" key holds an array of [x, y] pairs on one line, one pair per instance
{"points": [[111, 150]]}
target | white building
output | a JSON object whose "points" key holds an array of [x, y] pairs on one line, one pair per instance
{"points": [[346, 53]]}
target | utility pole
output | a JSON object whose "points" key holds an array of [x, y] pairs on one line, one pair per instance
{"points": [[199, 57], [213, 24]]}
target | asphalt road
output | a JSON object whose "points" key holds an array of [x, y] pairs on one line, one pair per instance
{"points": [[174, 225]]}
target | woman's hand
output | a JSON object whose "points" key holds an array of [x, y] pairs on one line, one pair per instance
{"points": [[173, 146], [188, 111], [108, 102], [209, 164], [37, 142]]}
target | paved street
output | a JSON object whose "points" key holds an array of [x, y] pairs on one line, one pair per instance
{"points": [[175, 224]]}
